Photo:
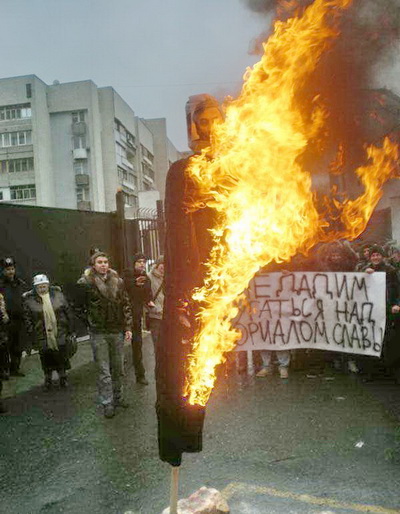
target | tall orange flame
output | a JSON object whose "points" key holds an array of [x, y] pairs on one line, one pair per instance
{"points": [[258, 188]]}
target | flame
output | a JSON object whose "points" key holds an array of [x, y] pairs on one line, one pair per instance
{"points": [[336, 166], [256, 184]]}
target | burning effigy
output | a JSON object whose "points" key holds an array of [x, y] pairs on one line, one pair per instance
{"points": [[246, 198]]}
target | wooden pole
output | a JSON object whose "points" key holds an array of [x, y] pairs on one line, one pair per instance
{"points": [[173, 505]]}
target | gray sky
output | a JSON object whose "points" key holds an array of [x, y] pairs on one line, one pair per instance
{"points": [[155, 53]]}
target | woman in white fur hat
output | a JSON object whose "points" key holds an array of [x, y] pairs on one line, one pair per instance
{"points": [[49, 323]]}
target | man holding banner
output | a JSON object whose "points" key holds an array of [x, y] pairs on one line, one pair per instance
{"points": [[391, 351]]}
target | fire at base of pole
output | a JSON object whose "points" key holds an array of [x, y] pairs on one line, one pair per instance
{"points": [[204, 501]]}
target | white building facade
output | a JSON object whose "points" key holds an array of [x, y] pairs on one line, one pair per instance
{"points": [[74, 145]]}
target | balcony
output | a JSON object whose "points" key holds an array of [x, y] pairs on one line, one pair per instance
{"points": [[148, 179], [81, 179], [80, 153], [128, 185], [146, 159], [84, 205], [127, 163], [79, 128], [131, 141]]}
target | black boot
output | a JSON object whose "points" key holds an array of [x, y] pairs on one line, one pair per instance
{"points": [[48, 383]]}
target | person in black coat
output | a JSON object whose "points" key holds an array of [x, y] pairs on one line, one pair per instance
{"points": [[138, 286], [390, 356], [3, 341], [12, 288]]}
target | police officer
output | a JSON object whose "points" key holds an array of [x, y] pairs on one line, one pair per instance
{"points": [[12, 288]]}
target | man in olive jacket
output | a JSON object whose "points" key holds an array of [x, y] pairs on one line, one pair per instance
{"points": [[108, 314]]}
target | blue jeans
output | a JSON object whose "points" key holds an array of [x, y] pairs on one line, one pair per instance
{"points": [[108, 351]]}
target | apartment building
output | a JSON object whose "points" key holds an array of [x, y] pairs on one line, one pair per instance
{"points": [[165, 152], [73, 145]]}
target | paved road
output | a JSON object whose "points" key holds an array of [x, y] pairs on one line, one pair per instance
{"points": [[327, 444]]}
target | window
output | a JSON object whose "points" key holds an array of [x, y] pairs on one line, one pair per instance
{"points": [[27, 192], [15, 165], [121, 151], [122, 174], [146, 153], [83, 194], [20, 138], [79, 142], [147, 170], [78, 116], [130, 139], [81, 167], [15, 112], [1, 195], [129, 199], [28, 90]]}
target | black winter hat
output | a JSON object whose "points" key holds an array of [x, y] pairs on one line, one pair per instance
{"points": [[138, 257], [7, 262], [377, 249], [93, 250], [95, 255]]}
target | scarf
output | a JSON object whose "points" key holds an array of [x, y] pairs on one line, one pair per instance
{"points": [[5, 318], [50, 322]]}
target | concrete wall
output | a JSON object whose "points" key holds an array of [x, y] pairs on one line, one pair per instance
{"points": [[63, 168], [106, 108], [45, 181], [82, 96], [146, 139], [165, 152], [148, 199], [112, 107]]}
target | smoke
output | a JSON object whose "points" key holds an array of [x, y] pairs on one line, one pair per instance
{"points": [[262, 6], [346, 74], [283, 8], [369, 36]]}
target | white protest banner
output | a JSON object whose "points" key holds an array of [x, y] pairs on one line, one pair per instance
{"points": [[342, 312]]}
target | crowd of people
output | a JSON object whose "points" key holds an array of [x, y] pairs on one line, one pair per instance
{"points": [[41, 319], [340, 256], [113, 307]]}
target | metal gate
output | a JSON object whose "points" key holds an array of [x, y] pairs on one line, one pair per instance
{"points": [[145, 234]]}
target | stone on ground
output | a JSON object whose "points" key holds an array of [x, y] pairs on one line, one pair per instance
{"points": [[204, 501]]}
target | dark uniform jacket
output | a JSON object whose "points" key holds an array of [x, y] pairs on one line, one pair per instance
{"points": [[4, 319], [392, 282], [104, 304], [138, 295], [12, 290], [34, 318]]}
